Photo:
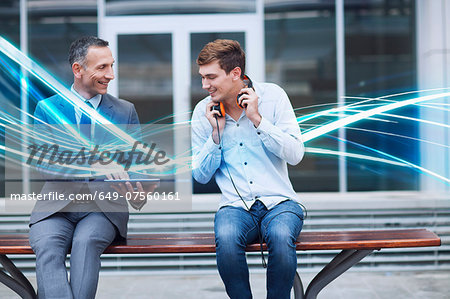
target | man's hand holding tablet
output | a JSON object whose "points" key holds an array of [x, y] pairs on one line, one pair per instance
{"points": [[122, 183]]}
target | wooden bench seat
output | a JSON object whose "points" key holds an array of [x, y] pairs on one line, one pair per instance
{"points": [[355, 245]]}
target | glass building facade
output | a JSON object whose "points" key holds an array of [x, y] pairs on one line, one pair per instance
{"points": [[299, 51], [10, 30]]}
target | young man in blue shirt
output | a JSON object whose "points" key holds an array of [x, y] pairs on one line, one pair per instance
{"points": [[244, 133]]}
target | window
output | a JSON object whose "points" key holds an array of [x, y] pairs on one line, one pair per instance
{"points": [[301, 58], [9, 90], [380, 60]]}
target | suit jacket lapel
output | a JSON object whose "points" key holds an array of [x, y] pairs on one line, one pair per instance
{"points": [[68, 111], [106, 110], [106, 107]]}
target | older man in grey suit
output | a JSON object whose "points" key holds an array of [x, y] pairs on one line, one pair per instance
{"points": [[85, 228]]}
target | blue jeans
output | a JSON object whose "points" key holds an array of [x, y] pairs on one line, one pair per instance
{"points": [[86, 234], [280, 226]]}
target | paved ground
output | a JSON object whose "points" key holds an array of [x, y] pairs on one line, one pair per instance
{"points": [[353, 285]]}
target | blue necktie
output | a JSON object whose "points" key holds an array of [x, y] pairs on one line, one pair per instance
{"points": [[85, 123]]}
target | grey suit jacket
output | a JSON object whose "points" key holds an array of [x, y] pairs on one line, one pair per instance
{"points": [[119, 112]]}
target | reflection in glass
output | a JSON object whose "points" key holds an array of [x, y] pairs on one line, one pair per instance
{"points": [[11, 90], [301, 58], [145, 75], [9, 30], [380, 60], [52, 27], [146, 80], [10, 21]]}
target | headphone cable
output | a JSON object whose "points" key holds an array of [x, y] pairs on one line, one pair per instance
{"points": [[222, 158]]}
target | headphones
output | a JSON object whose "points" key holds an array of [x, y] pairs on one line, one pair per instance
{"points": [[219, 106], [249, 84]]}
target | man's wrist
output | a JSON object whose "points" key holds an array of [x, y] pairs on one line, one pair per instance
{"points": [[215, 136], [257, 120]]}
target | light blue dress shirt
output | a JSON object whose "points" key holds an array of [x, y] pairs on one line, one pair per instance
{"points": [[95, 101], [256, 157]]}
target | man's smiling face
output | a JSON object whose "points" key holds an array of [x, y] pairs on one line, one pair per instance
{"points": [[96, 72], [216, 81]]}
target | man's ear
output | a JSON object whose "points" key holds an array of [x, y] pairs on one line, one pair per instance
{"points": [[236, 73], [76, 69]]}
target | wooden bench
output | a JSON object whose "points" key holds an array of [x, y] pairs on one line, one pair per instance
{"points": [[354, 246]]}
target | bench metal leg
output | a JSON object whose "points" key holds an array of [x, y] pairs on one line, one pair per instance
{"points": [[298, 287], [15, 280], [341, 263]]}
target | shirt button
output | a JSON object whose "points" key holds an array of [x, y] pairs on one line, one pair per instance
{"points": [[237, 125], [258, 133], [245, 163], [240, 144], [251, 182]]}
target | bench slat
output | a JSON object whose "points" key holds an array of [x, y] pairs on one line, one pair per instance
{"points": [[204, 242]]}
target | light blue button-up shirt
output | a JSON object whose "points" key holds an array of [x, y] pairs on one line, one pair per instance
{"points": [[95, 101], [256, 157]]}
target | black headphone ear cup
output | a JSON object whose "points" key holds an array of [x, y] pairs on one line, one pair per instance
{"points": [[219, 107], [222, 109], [237, 100], [249, 84]]}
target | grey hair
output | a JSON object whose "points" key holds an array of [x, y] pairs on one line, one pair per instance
{"points": [[79, 48]]}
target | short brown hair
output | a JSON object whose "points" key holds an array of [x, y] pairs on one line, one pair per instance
{"points": [[228, 53]]}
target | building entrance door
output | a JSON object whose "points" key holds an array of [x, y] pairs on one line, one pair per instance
{"points": [[155, 62]]}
